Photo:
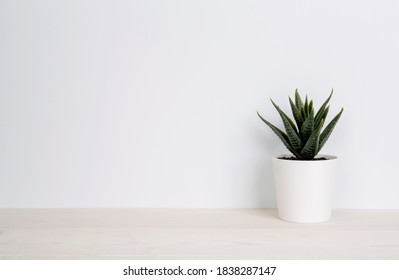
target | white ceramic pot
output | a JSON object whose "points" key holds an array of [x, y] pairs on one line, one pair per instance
{"points": [[304, 188]]}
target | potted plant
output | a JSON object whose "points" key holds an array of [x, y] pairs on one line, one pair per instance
{"points": [[304, 179]]}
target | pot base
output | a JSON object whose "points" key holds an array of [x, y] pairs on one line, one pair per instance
{"points": [[300, 220]]}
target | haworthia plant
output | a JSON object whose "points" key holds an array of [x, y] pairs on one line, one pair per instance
{"points": [[305, 137]]}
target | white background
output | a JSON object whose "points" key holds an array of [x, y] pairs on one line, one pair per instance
{"points": [[153, 103]]}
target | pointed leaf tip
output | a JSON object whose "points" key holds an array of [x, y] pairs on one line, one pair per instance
{"points": [[328, 130]]}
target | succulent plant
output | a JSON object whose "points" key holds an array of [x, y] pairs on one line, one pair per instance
{"points": [[304, 138]]}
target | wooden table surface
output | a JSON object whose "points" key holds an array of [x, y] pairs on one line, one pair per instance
{"points": [[194, 234]]}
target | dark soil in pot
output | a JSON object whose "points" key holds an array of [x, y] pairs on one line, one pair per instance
{"points": [[294, 158]]}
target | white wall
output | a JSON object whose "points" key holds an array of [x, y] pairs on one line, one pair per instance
{"points": [[152, 103]]}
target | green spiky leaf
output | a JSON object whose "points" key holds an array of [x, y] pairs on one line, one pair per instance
{"points": [[290, 128], [321, 111], [304, 138], [307, 127], [322, 117], [305, 108], [311, 147], [310, 107], [328, 130], [297, 114], [283, 137], [298, 100]]}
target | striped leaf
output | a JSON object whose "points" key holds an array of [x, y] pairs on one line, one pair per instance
{"points": [[305, 108], [310, 107], [297, 114], [328, 130], [283, 137], [322, 117], [320, 112], [298, 100], [311, 147], [307, 127], [305, 137], [290, 129]]}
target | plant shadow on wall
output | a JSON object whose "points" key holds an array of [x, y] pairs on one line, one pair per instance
{"points": [[303, 179]]}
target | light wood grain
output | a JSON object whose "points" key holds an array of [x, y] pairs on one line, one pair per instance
{"points": [[194, 234]]}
